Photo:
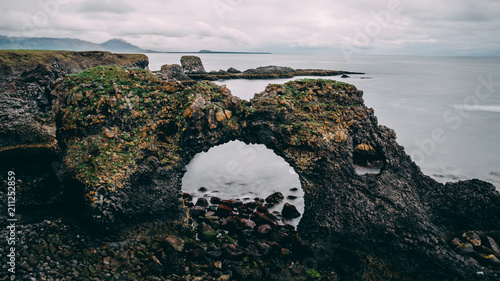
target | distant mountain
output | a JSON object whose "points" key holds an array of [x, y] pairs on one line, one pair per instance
{"points": [[120, 45], [68, 44]]}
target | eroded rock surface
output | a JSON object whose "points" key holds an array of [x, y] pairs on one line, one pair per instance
{"points": [[127, 137], [27, 126], [27, 79]]}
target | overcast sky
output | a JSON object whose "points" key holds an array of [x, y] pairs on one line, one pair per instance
{"points": [[425, 27]]}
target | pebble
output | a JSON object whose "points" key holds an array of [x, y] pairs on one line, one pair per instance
{"points": [[63, 251]]}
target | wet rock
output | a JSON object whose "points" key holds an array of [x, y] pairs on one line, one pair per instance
{"points": [[187, 197], [232, 251], [244, 210], [228, 203], [237, 203], [202, 202], [290, 212], [176, 242], [259, 200], [234, 224], [202, 189], [224, 211], [248, 223], [206, 232], [215, 200], [261, 219], [252, 205], [263, 229], [262, 209], [275, 198], [197, 211]]}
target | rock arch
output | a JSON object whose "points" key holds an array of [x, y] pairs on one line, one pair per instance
{"points": [[245, 173], [145, 135]]}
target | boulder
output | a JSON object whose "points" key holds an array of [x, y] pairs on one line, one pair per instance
{"points": [[176, 242], [192, 65], [233, 70], [206, 232], [202, 202], [290, 212], [174, 72], [275, 198]]}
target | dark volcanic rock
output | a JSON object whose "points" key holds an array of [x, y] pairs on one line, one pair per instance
{"points": [[202, 202], [233, 70], [174, 72], [290, 212], [275, 198], [271, 69], [193, 68], [192, 65], [399, 216], [27, 127], [223, 211], [26, 82]]}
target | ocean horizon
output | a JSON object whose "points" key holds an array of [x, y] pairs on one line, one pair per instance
{"points": [[445, 110]]}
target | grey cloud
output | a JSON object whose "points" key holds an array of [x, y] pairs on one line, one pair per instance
{"points": [[458, 26], [105, 6]]}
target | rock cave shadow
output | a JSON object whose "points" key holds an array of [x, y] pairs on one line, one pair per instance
{"points": [[367, 160]]}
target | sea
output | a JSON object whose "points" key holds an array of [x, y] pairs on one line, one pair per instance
{"points": [[445, 111]]}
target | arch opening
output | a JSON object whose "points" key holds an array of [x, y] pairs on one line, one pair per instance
{"points": [[367, 160], [247, 175]]}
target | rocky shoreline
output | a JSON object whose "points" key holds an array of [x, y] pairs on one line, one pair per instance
{"points": [[192, 70], [106, 201]]}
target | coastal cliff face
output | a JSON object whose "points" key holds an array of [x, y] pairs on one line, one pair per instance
{"points": [[27, 79], [127, 136], [27, 125]]}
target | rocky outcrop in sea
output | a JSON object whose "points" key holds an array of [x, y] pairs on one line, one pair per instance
{"points": [[126, 135], [193, 69]]}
